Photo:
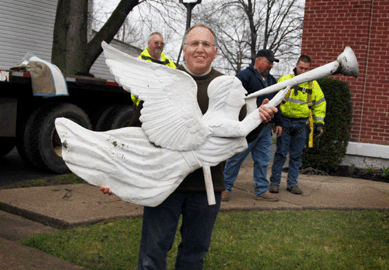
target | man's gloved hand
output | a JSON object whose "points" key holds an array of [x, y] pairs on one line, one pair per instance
{"points": [[319, 130]]}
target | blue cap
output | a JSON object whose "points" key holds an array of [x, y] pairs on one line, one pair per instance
{"points": [[268, 54]]}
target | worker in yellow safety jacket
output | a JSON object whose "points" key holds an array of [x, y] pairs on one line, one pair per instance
{"points": [[303, 103], [153, 53]]}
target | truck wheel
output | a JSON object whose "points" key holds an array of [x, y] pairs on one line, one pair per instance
{"points": [[27, 138], [119, 118], [100, 117], [49, 143], [6, 145]]}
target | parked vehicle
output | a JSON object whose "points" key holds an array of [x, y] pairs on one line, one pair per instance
{"points": [[27, 121]]}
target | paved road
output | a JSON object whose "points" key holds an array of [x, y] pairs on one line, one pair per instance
{"points": [[13, 169]]}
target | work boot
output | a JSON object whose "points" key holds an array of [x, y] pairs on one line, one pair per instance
{"points": [[274, 188], [225, 196], [266, 197], [295, 190]]}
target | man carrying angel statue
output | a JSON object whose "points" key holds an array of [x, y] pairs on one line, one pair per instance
{"points": [[174, 139], [171, 160]]}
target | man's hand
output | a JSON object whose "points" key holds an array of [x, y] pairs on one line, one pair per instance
{"points": [[106, 190], [278, 131], [320, 130], [266, 112]]}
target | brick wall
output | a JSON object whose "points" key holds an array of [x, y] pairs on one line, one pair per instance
{"points": [[329, 26]]}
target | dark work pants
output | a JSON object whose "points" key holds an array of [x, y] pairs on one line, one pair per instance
{"points": [[160, 225]]}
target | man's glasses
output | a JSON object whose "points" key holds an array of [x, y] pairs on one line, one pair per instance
{"points": [[157, 43], [196, 44]]}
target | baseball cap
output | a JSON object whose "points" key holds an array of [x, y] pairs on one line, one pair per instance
{"points": [[268, 54]]}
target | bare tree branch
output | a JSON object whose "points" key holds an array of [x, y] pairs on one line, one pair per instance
{"points": [[245, 26]]}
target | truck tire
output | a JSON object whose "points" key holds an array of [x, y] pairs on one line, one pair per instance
{"points": [[48, 142], [27, 138], [6, 145], [118, 118], [100, 117]]}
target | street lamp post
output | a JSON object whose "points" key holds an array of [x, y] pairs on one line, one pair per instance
{"points": [[189, 4]]}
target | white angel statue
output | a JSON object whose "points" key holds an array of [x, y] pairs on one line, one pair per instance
{"points": [[144, 165]]}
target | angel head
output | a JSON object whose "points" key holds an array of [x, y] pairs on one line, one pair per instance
{"points": [[226, 91]]}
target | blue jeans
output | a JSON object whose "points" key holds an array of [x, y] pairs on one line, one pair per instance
{"points": [[160, 226], [260, 150], [293, 144]]}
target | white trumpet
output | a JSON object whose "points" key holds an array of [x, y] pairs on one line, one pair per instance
{"points": [[345, 64]]}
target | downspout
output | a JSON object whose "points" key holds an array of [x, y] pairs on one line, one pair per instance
{"points": [[366, 69]]}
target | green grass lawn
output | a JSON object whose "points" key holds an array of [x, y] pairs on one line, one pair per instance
{"points": [[64, 179], [315, 239]]}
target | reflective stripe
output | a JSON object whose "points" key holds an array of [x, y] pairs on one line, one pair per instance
{"points": [[317, 118], [319, 101], [293, 100]]}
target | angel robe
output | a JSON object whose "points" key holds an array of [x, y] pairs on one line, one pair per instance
{"points": [[133, 168]]}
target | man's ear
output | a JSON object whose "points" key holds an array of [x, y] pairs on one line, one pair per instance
{"points": [[216, 50]]}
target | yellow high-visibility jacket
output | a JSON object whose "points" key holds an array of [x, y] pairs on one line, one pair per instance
{"points": [[145, 55], [296, 106]]}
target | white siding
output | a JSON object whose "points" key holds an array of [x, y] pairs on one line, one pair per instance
{"points": [[27, 26], [100, 69]]}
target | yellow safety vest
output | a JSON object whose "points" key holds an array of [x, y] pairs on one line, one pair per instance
{"points": [[305, 101]]}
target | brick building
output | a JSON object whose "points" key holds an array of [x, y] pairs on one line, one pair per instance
{"points": [[329, 26]]}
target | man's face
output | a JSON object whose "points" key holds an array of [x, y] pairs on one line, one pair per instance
{"points": [[199, 50], [263, 65], [156, 46], [302, 67]]}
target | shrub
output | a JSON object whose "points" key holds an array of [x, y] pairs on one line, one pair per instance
{"points": [[385, 172], [329, 150]]}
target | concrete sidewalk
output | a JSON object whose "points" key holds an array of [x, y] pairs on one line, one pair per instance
{"points": [[44, 209]]}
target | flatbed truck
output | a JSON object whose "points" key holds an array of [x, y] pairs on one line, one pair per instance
{"points": [[27, 120]]}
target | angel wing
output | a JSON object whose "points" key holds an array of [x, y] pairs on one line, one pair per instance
{"points": [[171, 116]]}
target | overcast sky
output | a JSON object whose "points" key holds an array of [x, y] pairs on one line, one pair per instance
{"points": [[172, 40], [106, 7]]}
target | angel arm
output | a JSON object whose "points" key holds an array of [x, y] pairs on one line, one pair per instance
{"points": [[232, 128]]}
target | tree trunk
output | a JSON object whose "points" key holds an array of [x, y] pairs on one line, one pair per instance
{"points": [[71, 52]]}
